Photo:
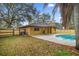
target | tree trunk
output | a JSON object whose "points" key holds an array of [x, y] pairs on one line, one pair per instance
{"points": [[76, 20]]}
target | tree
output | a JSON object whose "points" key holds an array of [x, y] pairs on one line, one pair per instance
{"points": [[43, 18], [14, 14]]}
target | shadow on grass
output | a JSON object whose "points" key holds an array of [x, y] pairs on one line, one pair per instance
{"points": [[6, 36], [11, 36]]}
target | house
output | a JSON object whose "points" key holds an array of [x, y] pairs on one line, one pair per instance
{"points": [[37, 29]]}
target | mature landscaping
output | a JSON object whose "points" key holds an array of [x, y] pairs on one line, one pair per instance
{"points": [[16, 17], [26, 45]]}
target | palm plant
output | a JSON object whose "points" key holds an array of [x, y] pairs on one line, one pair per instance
{"points": [[67, 10]]}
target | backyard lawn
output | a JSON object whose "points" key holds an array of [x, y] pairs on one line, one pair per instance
{"points": [[25, 45]]}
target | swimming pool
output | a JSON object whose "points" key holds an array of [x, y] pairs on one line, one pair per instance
{"points": [[66, 37]]}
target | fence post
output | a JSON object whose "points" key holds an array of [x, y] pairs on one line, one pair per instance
{"points": [[19, 31], [13, 32]]}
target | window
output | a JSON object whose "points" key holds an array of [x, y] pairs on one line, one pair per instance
{"points": [[36, 29]]}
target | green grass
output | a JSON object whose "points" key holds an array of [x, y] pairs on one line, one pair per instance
{"points": [[25, 45]]}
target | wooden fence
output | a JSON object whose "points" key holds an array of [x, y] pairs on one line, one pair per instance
{"points": [[9, 31], [16, 32], [65, 31]]}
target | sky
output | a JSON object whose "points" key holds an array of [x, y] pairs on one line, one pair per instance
{"points": [[48, 10]]}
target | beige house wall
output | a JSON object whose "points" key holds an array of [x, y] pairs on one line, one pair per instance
{"points": [[33, 32], [42, 30]]}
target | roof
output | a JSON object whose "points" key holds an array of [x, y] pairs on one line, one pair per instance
{"points": [[38, 25]]}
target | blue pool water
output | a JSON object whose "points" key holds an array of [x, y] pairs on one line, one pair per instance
{"points": [[67, 37]]}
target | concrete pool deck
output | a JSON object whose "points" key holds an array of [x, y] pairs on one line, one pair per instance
{"points": [[53, 38]]}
